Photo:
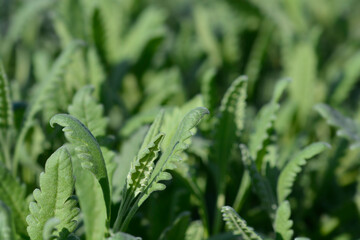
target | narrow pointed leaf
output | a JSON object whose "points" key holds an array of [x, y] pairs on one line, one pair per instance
{"points": [[91, 200], [6, 113]]}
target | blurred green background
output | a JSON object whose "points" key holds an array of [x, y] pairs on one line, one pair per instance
{"points": [[144, 55]]}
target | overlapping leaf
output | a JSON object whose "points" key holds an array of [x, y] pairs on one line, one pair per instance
{"points": [[179, 142], [86, 109], [87, 150]]}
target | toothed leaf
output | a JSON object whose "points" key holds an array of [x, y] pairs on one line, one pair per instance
{"points": [[53, 199], [237, 225], [293, 167], [86, 109], [143, 165], [50, 228], [265, 120], [283, 222], [87, 150], [44, 97], [6, 113], [49, 88], [179, 143]]}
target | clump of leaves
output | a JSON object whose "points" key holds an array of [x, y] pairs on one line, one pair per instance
{"points": [[135, 157]]}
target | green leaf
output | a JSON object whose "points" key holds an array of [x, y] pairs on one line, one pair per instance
{"points": [[179, 143], [50, 228], [283, 223], [195, 231], [99, 34], [143, 165], [293, 167], [264, 120], [110, 163], [123, 236], [206, 37], [258, 50], [148, 26], [6, 113], [208, 89], [53, 200], [229, 123], [351, 72], [87, 150], [91, 200], [128, 151], [301, 65], [19, 22], [72, 237], [237, 225], [137, 121], [227, 129], [153, 131], [174, 116], [178, 228], [7, 227], [347, 127], [13, 195], [357, 194], [96, 74], [273, 10], [261, 185], [138, 176], [86, 109], [44, 97]]}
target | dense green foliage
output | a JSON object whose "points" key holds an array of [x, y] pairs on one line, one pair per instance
{"points": [[181, 120]]}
